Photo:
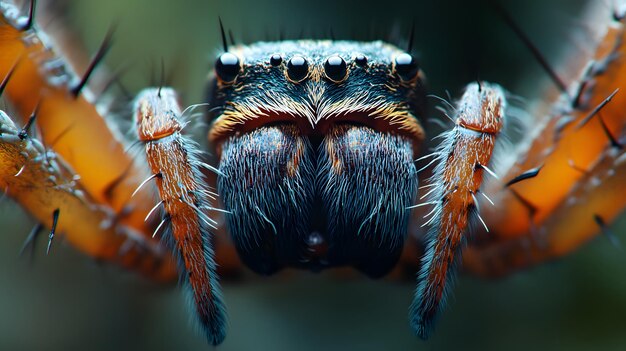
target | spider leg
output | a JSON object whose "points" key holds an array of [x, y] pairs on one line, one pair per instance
{"points": [[91, 173], [464, 154], [571, 224], [181, 189], [588, 132], [44, 185]]}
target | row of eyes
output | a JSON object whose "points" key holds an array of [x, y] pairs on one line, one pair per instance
{"points": [[227, 67]]}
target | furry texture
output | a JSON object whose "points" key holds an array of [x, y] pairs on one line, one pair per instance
{"points": [[184, 195], [318, 173], [350, 196], [366, 180], [461, 159], [263, 94], [268, 188]]}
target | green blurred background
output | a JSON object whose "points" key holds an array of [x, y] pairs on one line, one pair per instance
{"points": [[65, 301]]}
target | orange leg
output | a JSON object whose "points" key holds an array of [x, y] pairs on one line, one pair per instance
{"points": [[184, 197], [42, 185], [462, 158], [93, 152], [580, 146]]}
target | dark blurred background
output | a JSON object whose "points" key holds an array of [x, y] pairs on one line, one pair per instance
{"points": [[65, 301]]}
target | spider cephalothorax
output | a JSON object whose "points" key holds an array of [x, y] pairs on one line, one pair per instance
{"points": [[317, 140]]}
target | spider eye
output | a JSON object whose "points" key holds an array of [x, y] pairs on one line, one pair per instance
{"points": [[360, 60], [227, 67], [335, 68], [276, 60], [406, 66], [297, 69]]}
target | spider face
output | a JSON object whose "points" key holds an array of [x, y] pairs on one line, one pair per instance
{"points": [[316, 141], [314, 85]]}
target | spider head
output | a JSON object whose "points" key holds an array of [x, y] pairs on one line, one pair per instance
{"points": [[316, 141], [315, 85]]}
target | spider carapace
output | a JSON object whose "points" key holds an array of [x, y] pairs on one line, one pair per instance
{"points": [[316, 141], [314, 147]]}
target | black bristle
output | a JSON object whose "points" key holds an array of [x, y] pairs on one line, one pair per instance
{"points": [[224, 42], [508, 19], [55, 221], [31, 240], [531, 173], [532, 209], [6, 79], [104, 48], [162, 78], [606, 231], [232, 37], [597, 109], [31, 17], [614, 143], [411, 37], [23, 134]]}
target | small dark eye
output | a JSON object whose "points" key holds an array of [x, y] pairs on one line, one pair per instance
{"points": [[297, 69], [406, 66], [335, 68], [360, 60], [227, 67], [276, 60]]}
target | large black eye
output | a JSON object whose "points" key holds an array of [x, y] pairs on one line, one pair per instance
{"points": [[227, 67], [276, 60], [406, 66], [335, 68], [297, 68]]}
